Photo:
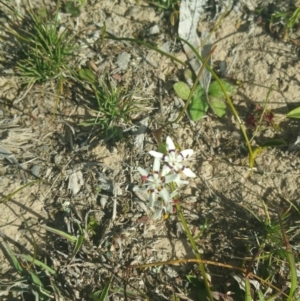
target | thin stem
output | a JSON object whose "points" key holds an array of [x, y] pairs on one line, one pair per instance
{"points": [[193, 244], [235, 113], [113, 37]]}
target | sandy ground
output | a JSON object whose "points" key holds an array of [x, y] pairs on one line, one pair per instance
{"points": [[57, 147]]}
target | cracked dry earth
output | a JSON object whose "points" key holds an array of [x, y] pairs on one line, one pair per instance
{"points": [[48, 149]]}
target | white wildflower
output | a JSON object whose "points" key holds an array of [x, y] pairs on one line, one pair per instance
{"points": [[173, 159], [154, 181]]}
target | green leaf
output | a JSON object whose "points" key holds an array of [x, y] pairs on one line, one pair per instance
{"points": [[102, 295], [260, 295], [35, 279], [38, 263], [271, 143], [274, 143], [216, 91], [198, 106], [13, 258], [294, 113], [247, 290], [67, 236], [218, 106], [78, 245], [182, 90], [87, 75]]}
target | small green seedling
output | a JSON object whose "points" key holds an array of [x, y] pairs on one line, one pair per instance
{"points": [[199, 102]]}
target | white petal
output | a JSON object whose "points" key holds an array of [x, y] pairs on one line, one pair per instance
{"points": [[178, 166], [143, 171], [164, 194], [173, 194], [166, 169], [170, 145], [171, 178], [136, 188], [167, 158], [169, 208], [188, 172], [156, 164], [156, 154], [157, 213], [152, 198], [179, 181], [186, 153]]}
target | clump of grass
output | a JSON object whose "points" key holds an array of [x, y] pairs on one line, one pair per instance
{"points": [[114, 106], [45, 49]]}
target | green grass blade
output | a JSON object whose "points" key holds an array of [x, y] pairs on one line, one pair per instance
{"points": [[13, 258], [39, 289], [35, 279], [110, 36], [105, 291], [67, 236], [261, 295], [20, 189], [290, 258], [78, 245], [96, 296], [38, 263], [247, 290]]}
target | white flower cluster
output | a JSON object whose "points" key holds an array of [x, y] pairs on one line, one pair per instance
{"points": [[157, 182]]}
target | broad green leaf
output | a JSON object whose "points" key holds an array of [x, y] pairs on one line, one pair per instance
{"points": [[294, 113], [198, 106], [216, 91], [218, 106], [182, 90]]}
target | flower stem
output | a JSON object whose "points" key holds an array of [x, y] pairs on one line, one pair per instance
{"points": [[193, 244]]}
